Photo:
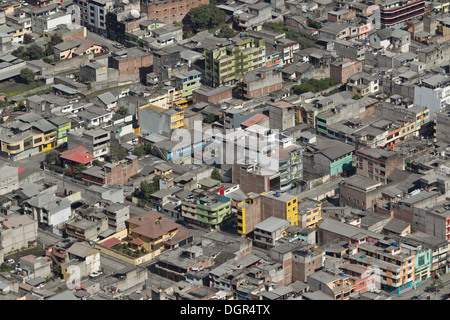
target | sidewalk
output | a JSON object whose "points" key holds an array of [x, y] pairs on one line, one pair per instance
{"points": [[421, 289]]}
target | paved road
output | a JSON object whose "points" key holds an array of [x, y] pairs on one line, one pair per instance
{"points": [[422, 289]]}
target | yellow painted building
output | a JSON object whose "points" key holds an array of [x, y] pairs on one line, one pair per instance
{"points": [[310, 213], [258, 207]]}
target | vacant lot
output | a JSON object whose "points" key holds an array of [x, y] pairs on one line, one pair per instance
{"points": [[12, 88], [36, 251]]}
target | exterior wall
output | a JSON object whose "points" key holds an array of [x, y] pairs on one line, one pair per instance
{"points": [[269, 82], [304, 265], [169, 11], [9, 179], [131, 68], [341, 72], [199, 96], [17, 238]]}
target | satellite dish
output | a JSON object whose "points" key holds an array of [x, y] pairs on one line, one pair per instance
{"points": [[135, 14]]}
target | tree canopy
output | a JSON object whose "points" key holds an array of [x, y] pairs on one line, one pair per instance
{"points": [[226, 32], [215, 174], [33, 52], [204, 17], [27, 75]]}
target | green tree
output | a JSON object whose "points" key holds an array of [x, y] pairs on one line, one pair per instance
{"points": [[52, 157], [215, 174], [118, 153], [226, 32], [209, 118], [204, 17], [35, 52], [313, 23], [27, 75], [78, 169]]}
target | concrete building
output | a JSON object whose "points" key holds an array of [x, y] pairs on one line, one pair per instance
{"points": [[224, 63], [17, 231], [378, 164], [395, 13], [9, 179], [282, 115], [117, 215], [169, 11], [433, 93], [111, 173], [354, 51], [341, 71], [260, 82], [97, 10], [269, 231], [443, 125], [94, 72], [96, 141], [48, 209], [133, 64], [253, 16]]}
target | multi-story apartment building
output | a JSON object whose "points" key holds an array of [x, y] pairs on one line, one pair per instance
{"points": [[96, 141], [394, 13], [362, 84], [341, 71], [167, 63], [169, 11], [378, 164], [225, 63], [309, 213], [268, 232], [97, 10], [187, 83], [433, 93], [206, 208], [111, 173], [155, 119], [283, 206], [290, 166], [27, 135], [394, 265]]}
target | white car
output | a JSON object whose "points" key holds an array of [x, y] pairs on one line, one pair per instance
{"points": [[95, 274], [10, 261]]}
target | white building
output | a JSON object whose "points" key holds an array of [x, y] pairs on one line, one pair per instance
{"points": [[50, 22], [433, 93], [48, 209]]}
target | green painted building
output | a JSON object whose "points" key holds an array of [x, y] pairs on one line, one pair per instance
{"points": [[224, 63], [206, 209], [188, 82], [64, 126], [332, 157]]}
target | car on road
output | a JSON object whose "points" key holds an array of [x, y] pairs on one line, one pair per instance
{"points": [[422, 296], [95, 274], [10, 261]]}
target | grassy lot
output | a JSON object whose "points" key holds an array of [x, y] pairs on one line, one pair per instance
{"points": [[12, 88]]}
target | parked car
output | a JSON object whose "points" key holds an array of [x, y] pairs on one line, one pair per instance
{"points": [[10, 261], [95, 274]]}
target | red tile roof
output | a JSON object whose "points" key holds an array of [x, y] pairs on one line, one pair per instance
{"points": [[110, 242], [254, 119], [78, 154]]}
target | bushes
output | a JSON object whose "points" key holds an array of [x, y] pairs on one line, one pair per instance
{"points": [[313, 85]]}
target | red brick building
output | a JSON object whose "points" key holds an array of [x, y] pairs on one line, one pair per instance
{"points": [[169, 11], [341, 71], [117, 173], [208, 95], [133, 64], [260, 83]]}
